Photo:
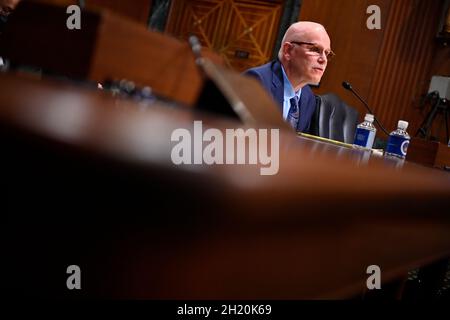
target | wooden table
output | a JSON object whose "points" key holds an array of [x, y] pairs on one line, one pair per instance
{"points": [[89, 181]]}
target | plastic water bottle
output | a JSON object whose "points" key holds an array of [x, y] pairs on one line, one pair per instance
{"points": [[398, 141], [365, 133]]}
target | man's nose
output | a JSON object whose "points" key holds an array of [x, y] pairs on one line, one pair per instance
{"points": [[322, 59]]}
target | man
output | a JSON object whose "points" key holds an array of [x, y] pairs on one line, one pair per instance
{"points": [[302, 60]]}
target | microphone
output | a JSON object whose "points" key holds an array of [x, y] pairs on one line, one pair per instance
{"points": [[196, 49], [348, 86]]}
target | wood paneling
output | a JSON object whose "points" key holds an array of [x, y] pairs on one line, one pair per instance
{"points": [[107, 47], [148, 229], [356, 47], [391, 67], [402, 71], [138, 10], [243, 32]]}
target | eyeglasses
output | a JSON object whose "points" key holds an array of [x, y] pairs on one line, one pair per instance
{"points": [[315, 50]]}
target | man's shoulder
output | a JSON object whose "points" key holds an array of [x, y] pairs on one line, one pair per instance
{"points": [[264, 73], [262, 70], [307, 90], [265, 66]]}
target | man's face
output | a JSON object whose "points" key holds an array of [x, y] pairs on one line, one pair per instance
{"points": [[309, 54]]}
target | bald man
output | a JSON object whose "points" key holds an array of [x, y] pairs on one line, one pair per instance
{"points": [[304, 53]]}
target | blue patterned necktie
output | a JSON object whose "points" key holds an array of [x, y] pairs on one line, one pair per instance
{"points": [[294, 112]]}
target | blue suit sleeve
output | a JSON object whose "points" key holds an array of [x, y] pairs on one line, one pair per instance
{"points": [[254, 74]]}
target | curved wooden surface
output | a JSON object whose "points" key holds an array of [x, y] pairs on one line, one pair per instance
{"points": [[90, 181]]}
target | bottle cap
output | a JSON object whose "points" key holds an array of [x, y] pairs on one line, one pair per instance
{"points": [[402, 124], [369, 117]]}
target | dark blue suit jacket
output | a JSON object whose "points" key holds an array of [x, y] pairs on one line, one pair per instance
{"points": [[271, 77]]}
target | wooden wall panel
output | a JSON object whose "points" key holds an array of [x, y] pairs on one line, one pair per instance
{"points": [[229, 27], [137, 10], [403, 69], [391, 67]]}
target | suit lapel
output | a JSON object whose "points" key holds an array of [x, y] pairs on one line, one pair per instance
{"points": [[277, 88], [301, 108]]}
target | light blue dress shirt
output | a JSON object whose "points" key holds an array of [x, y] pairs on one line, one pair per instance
{"points": [[288, 94]]}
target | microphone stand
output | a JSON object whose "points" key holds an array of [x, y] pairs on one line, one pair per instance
{"points": [[440, 104], [348, 86], [217, 77]]}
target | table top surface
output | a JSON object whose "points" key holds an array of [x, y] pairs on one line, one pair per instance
{"points": [[326, 203]]}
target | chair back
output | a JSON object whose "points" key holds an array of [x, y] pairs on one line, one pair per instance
{"points": [[334, 119]]}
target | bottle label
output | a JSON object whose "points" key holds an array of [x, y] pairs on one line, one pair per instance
{"points": [[364, 138], [397, 145]]}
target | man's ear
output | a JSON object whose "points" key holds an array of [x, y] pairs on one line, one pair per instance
{"points": [[286, 51]]}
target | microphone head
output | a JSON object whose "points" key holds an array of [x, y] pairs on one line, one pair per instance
{"points": [[195, 45], [193, 40], [347, 85]]}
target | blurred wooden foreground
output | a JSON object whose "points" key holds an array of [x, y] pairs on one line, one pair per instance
{"points": [[90, 182]]}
